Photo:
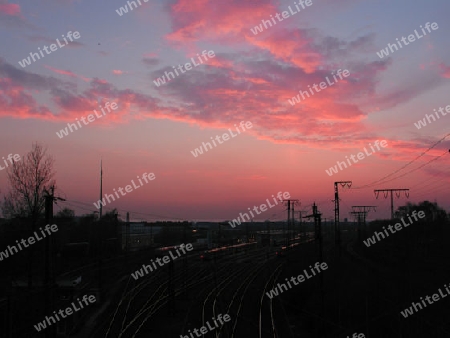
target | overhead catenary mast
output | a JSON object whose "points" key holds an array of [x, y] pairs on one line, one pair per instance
{"points": [[337, 230], [101, 187], [397, 193]]}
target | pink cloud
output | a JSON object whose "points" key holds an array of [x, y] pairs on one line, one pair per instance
{"points": [[445, 70], [206, 19], [295, 47], [150, 55], [256, 83], [68, 73], [10, 9], [313, 124], [230, 23]]}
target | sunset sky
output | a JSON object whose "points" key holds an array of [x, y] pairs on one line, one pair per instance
{"points": [[154, 129]]}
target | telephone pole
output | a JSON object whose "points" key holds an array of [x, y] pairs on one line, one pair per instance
{"points": [[318, 239], [300, 223], [101, 188], [49, 278], [185, 262], [386, 193], [360, 211], [289, 203], [359, 216], [317, 228], [127, 234], [364, 209], [337, 234]]}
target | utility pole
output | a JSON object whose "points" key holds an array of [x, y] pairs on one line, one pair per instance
{"points": [[317, 228], [299, 223], [289, 217], [185, 261], [286, 242], [246, 231], [337, 232], [50, 333], [337, 239], [49, 278], [99, 259], [318, 239], [304, 225], [359, 216], [293, 219], [101, 187], [127, 234], [386, 193], [292, 232], [363, 210], [360, 211]]}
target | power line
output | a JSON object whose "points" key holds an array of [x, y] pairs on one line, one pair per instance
{"points": [[419, 167], [403, 167], [134, 212], [432, 185], [422, 182], [434, 188]]}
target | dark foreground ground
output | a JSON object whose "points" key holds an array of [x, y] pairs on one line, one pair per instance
{"points": [[363, 291]]}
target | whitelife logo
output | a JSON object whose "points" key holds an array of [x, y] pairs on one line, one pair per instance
{"points": [[417, 306], [128, 188], [263, 208], [160, 81], [90, 118], [123, 10], [411, 38], [360, 155], [204, 329], [225, 137], [319, 267], [31, 240], [322, 85], [372, 240], [65, 313], [10, 158], [166, 259], [26, 62], [422, 123], [284, 14]]}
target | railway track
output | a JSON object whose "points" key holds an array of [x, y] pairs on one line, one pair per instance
{"points": [[233, 285]]}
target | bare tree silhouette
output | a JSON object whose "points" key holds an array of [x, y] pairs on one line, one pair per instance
{"points": [[28, 179]]}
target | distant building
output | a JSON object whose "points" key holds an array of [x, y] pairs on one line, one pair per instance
{"points": [[138, 235]]}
